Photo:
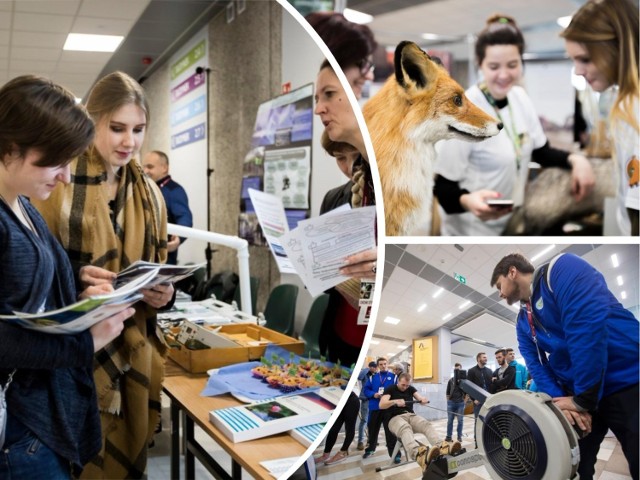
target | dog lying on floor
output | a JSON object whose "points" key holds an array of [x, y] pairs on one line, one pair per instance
{"points": [[415, 108]]}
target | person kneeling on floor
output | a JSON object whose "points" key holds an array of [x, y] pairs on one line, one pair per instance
{"points": [[404, 423]]}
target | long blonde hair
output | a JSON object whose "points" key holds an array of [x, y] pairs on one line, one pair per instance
{"points": [[112, 92], [608, 29]]}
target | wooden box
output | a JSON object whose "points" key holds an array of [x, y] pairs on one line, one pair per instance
{"points": [[252, 340]]}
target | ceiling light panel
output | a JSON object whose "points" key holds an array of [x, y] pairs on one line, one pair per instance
{"points": [[81, 42]]}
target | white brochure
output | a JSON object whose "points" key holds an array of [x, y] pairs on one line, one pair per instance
{"points": [[270, 213], [317, 248]]}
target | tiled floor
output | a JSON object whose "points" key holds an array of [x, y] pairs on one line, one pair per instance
{"points": [[611, 463]]}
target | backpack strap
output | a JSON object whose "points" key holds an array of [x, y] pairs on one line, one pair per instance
{"points": [[545, 272], [548, 275]]}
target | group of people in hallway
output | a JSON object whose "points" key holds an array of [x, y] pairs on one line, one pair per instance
{"points": [[386, 400]]}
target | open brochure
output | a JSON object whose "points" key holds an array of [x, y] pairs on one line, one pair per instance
{"points": [[317, 247], [84, 314], [257, 420], [164, 273]]}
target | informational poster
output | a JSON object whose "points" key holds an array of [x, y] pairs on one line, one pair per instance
{"points": [[287, 174], [285, 120], [279, 162], [188, 129], [425, 358]]}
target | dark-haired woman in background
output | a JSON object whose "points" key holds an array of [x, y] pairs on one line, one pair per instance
{"points": [[469, 174], [350, 43]]}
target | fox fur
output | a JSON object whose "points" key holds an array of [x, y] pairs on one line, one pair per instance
{"points": [[417, 106]]}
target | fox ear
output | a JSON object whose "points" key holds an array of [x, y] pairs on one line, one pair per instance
{"points": [[413, 66]]}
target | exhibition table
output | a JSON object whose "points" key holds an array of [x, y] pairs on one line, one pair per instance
{"points": [[183, 389]]}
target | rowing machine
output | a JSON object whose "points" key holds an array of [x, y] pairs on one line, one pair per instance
{"points": [[521, 435]]}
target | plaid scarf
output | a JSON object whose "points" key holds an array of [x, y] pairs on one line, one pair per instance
{"points": [[128, 372]]}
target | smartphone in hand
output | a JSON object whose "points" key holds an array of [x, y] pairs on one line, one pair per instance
{"points": [[499, 203]]}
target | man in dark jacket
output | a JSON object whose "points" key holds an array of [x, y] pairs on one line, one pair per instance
{"points": [[455, 405], [504, 377], [156, 166], [480, 375], [363, 378]]}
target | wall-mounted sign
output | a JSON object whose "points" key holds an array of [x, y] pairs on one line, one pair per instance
{"points": [[425, 359], [460, 278]]}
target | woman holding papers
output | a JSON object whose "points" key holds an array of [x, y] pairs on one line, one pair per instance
{"points": [[341, 334], [109, 216], [50, 426]]}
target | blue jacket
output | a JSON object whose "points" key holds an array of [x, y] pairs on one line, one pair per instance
{"points": [[590, 339], [521, 375], [363, 377], [372, 386], [53, 392], [178, 211]]}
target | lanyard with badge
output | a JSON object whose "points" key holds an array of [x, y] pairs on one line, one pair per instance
{"points": [[512, 133], [366, 301]]}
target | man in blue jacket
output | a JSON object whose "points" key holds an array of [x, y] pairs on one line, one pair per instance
{"points": [[373, 390], [156, 166], [521, 370], [364, 377], [580, 346]]}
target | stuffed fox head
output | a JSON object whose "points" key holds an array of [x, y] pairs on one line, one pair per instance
{"points": [[435, 101]]}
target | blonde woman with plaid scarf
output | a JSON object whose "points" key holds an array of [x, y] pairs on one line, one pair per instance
{"points": [[109, 216]]}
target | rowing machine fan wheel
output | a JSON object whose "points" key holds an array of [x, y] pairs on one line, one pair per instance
{"points": [[523, 436]]}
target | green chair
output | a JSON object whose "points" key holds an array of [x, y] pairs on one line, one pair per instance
{"points": [[254, 283], [311, 331], [280, 311]]}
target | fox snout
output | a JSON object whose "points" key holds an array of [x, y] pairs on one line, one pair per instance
{"points": [[483, 126]]}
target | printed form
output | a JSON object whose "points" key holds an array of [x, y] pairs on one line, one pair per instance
{"points": [[317, 247]]}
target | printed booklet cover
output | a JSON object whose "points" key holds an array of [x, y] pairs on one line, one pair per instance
{"points": [[261, 419], [165, 273], [85, 313], [307, 435]]}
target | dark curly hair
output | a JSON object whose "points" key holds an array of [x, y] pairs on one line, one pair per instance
{"points": [[499, 30], [350, 43]]}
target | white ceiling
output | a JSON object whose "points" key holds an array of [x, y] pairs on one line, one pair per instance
{"points": [[413, 273], [33, 32], [458, 18]]}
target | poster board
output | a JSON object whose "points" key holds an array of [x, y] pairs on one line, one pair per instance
{"points": [[188, 129], [279, 161], [424, 364]]}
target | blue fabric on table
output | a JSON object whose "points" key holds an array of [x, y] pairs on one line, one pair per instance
{"points": [[238, 379]]}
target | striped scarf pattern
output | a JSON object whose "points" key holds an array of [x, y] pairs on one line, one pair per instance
{"points": [[129, 371]]}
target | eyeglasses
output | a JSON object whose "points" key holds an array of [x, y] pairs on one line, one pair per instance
{"points": [[365, 66]]}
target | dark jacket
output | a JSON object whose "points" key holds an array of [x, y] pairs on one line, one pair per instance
{"points": [[52, 393], [336, 197], [454, 392], [507, 382], [481, 377], [178, 211]]}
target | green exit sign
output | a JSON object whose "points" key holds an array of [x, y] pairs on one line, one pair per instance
{"points": [[460, 278]]}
